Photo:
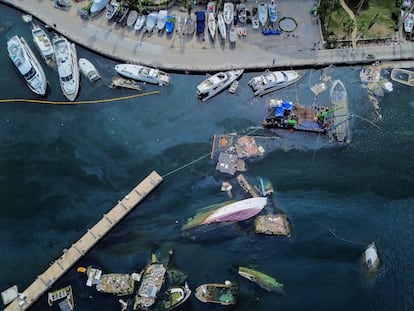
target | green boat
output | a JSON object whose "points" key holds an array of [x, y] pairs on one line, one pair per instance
{"points": [[263, 280], [224, 294]]}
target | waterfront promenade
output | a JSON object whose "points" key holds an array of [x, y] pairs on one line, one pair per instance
{"points": [[301, 48], [70, 256]]}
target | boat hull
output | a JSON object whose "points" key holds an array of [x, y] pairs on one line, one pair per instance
{"points": [[272, 81], [88, 70], [142, 73], [217, 83]]}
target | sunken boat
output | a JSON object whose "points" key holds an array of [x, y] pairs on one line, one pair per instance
{"points": [[263, 280], [224, 294], [339, 118], [176, 296]]}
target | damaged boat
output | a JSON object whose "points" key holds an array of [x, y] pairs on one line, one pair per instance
{"points": [[263, 280], [224, 294]]}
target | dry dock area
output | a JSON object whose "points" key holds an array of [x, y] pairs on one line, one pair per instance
{"points": [[70, 256]]}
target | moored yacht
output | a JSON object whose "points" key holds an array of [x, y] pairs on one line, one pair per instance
{"points": [[216, 83], [67, 65], [143, 73], [43, 44], [271, 81], [27, 64]]}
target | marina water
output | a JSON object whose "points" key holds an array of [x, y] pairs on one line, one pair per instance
{"points": [[63, 166]]}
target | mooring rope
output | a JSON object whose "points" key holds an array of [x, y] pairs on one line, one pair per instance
{"points": [[185, 165], [39, 101]]}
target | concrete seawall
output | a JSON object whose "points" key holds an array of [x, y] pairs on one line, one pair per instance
{"points": [[180, 53]]}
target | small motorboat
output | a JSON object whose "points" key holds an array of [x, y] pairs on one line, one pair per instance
{"points": [[132, 18], [228, 13], [221, 26], [151, 21], [140, 22], [161, 20], [88, 70], [211, 22], [170, 24], [97, 6], [255, 22], [262, 9]]}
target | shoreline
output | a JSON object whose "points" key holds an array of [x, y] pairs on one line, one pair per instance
{"points": [[183, 54]]}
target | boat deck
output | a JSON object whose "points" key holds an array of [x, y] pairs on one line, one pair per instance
{"points": [[70, 256]]}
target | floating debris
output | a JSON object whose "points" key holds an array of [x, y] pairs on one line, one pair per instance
{"points": [[27, 18], [118, 82], [263, 280], [9, 294], [371, 259], [227, 163], [224, 294], [319, 88], [116, 283], [273, 224], [370, 74], [246, 186], [226, 187], [64, 293]]}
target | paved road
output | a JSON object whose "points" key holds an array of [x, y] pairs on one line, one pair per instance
{"points": [[180, 53]]}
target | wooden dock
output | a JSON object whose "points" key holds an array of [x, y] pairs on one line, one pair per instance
{"points": [[70, 256]]}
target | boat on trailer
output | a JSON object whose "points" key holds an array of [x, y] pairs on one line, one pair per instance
{"points": [[216, 83]]}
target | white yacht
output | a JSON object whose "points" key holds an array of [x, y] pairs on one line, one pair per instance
{"points": [[43, 44], [217, 83], [271, 81], [27, 64], [67, 65], [143, 73], [88, 70]]}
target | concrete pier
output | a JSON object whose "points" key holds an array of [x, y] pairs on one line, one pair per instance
{"points": [[70, 256]]}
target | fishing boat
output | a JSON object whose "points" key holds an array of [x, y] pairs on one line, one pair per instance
{"points": [[228, 13], [241, 12], [65, 293], [119, 284], [227, 212], [161, 20], [27, 64], [151, 283], [67, 65], [211, 22], [287, 115], [118, 82], [176, 296], [216, 83], [201, 22], [132, 18], [263, 280], [409, 23], [151, 21], [403, 76], [88, 70], [224, 294], [143, 73], [43, 44], [232, 34], [170, 24], [339, 119], [221, 26], [262, 9], [271, 81], [370, 258], [112, 10], [97, 6], [272, 12], [140, 22]]}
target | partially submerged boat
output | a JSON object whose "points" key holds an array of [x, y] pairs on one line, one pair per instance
{"points": [[151, 283], [143, 73], [224, 294], [228, 13], [118, 82], [88, 70], [231, 211], [65, 294], [216, 83], [221, 26], [263, 280], [27, 64], [370, 258], [43, 45], [370, 74], [271, 81], [339, 118], [262, 9], [67, 65], [119, 284], [176, 296], [403, 76]]}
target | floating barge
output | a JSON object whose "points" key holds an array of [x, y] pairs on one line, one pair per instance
{"points": [[64, 293]]}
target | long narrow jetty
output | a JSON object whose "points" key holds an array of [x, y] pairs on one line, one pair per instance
{"points": [[70, 256]]}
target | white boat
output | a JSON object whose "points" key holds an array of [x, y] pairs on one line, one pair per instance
{"points": [[371, 259], [132, 18], [339, 117], [161, 19], [255, 22], [403, 76], [221, 26], [151, 21], [211, 22], [143, 73], [67, 65], [27, 64], [140, 22], [271, 81], [211, 7], [241, 12], [88, 70], [228, 12], [262, 9], [43, 44], [232, 34], [98, 6], [409, 23], [272, 12], [217, 83]]}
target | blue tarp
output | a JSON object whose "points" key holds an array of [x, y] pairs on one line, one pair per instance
{"points": [[268, 32], [287, 105], [201, 18], [279, 111]]}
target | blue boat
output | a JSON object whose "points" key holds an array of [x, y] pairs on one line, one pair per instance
{"points": [[170, 24], [201, 22]]}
